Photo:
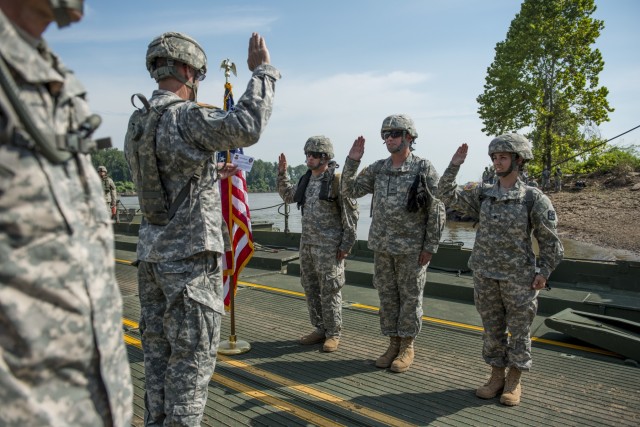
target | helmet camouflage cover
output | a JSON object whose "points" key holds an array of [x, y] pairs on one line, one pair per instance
{"points": [[319, 144], [102, 169], [176, 46], [511, 143], [60, 12], [399, 122]]}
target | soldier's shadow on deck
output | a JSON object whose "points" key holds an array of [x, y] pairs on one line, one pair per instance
{"points": [[406, 397], [274, 349], [425, 408], [411, 408]]}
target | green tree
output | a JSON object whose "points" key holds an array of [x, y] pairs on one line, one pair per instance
{"points": [[544, 79], [295, 172], [263, 177], [113, 159]]}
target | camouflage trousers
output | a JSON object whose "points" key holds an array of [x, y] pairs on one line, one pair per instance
{"points": [[506, 306], [180, 334], [322, 278], [400, 282]]}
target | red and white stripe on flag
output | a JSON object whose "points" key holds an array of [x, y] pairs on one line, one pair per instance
{"points": [[235, 210]]}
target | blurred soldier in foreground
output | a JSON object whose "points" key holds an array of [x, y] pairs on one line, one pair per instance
{"points": [[505, 275], [109, 190], [329, 223], [404, 234], [62, 356], [170, 147]]}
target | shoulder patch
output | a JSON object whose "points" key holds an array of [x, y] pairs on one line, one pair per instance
{"points": [[551, 215], [203, 105], [470, 185]]}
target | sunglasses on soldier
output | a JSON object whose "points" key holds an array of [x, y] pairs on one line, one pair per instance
{"points": [[314, 154], [391, 134]]}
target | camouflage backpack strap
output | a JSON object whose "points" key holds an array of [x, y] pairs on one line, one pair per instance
{"points": [[329, 183], [529, 200], [140, 149], [376, 168], [481, 198], [335, 186], [184, 192]]}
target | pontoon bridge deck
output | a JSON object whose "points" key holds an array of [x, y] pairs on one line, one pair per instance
{"points": [[281, 383]]}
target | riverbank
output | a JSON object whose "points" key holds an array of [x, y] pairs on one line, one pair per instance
{"points": [[604, 213]]}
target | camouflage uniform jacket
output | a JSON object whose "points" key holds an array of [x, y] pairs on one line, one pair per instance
{"points": [[188, 135], [503, 248], [109, 190], [61, 338], [324, 223], [393, 228]]}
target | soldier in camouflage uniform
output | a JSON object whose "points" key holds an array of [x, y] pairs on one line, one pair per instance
{"points": [[506, 277], [404, 234], [329, 223], [546, 175], [63, 360], [179, 273], [557, 176], [109, 190]]}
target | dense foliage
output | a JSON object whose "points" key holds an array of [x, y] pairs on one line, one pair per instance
{"points": [[113, 159], [263, 176], [617, 160], [544, 80]]}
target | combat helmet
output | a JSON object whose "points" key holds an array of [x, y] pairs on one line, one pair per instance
{"points": [[102, 169], [175, 47], [512, 143], [399, 122], [60, 12], [319, 144]]}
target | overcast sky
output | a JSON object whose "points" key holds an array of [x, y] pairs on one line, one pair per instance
{"points": [[345, 66]]}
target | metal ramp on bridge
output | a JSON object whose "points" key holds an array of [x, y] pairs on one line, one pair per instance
{"points": [[611, 333]]}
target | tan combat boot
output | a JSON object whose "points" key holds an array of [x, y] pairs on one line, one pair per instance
{"points": [[331, 344], [405, 356], [512, 390], [313, 338], [494, 386], [385, 360]]}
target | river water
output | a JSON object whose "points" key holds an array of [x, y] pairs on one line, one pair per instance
{"points": [[269, 207]]}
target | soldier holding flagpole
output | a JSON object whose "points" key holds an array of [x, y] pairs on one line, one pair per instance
{"points": [[180, 239]]}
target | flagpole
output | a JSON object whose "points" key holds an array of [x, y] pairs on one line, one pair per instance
{"points": [[232, 345]]}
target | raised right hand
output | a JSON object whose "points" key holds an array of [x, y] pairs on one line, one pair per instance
{"points": [[258, 52], [460, 155], [282, 164], [357, 150]]}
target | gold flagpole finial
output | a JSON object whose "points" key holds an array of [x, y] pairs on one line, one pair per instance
{"points": [[228, 67]]}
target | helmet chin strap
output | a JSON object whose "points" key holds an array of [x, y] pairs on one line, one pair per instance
{"points": [[401, 146], [191, 85], [511, 166]]}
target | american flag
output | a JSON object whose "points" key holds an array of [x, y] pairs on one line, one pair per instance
{"points": [[235, 211]]}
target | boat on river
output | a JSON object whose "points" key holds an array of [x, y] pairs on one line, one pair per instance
{"points": [[574, 381]]}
